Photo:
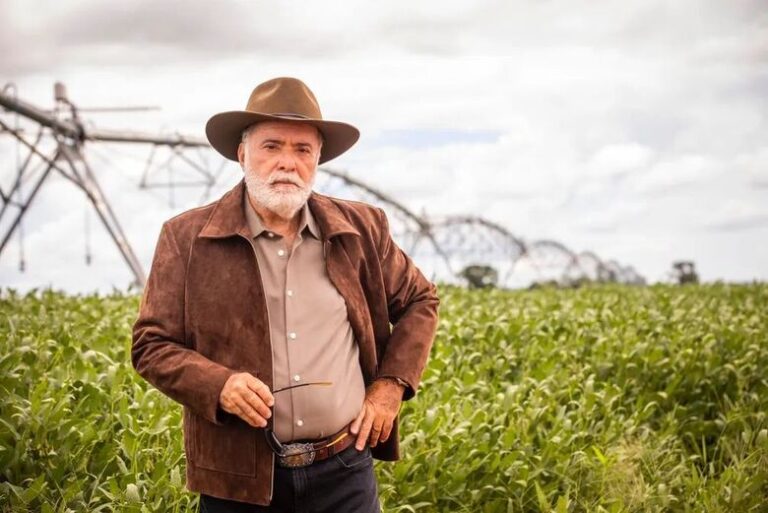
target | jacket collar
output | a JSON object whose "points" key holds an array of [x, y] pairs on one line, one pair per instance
{"points": [[228, 216]]}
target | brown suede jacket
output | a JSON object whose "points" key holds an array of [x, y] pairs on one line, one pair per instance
{"points": [[203, 317]]}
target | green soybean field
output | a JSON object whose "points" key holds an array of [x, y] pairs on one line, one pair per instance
{"points": [[605, 398]]}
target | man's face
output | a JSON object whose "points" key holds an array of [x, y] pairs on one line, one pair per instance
{"points": [[279, 159]]}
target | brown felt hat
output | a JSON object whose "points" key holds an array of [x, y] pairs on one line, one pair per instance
{"points": [[279, 99]]}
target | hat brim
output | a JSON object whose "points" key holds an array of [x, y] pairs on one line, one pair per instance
{"points": [[224, 131]]}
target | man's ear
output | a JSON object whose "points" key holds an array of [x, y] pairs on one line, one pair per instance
{"points": [[320, 140], [241, 155]]}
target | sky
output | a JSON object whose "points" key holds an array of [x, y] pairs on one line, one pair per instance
{"points": [[635, 129]]}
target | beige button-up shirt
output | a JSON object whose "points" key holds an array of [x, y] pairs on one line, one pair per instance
{"points": [[312, 340]]}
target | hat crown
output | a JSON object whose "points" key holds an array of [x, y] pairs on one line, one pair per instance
{"points": [[285, 96]]}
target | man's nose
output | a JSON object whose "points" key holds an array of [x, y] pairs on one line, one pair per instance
{"points": [[286, 161]]}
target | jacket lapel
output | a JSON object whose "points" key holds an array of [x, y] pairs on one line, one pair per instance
{"points": [[345, 276]]}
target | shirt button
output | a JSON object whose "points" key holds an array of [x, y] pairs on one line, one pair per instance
{"points": [[280, 252], [299, 422], [297, 378], [292, 335], [290, 293]]}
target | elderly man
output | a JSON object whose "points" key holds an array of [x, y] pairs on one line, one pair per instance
{"points": [[288, 324]]}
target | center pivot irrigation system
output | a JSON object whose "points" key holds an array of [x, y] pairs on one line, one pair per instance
{"points": [[55, 140]]}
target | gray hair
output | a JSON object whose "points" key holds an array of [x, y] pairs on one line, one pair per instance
{"points": [[244, 135]]}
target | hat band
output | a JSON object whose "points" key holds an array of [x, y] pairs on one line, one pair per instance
{"points": [[290, 115]]}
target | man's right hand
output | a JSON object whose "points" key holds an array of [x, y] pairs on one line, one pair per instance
{"points": [[247, 397]]}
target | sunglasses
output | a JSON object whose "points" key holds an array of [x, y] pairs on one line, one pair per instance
{"points": [[276, 446]]}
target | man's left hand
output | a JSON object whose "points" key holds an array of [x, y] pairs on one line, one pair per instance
{"points": [[380, 407]]}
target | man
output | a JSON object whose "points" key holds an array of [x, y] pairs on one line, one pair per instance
{"points": [[287, 323]]}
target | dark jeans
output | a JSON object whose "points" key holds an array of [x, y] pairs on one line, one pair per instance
{"points": [[342, 483]]}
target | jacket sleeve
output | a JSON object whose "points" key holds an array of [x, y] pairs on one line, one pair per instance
{"points": [[160, 353], [413, 311]]}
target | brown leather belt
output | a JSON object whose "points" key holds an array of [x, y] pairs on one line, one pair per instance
{"points": [[301, 454]]}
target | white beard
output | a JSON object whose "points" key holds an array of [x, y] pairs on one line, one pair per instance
{"points": [[284, 203]]}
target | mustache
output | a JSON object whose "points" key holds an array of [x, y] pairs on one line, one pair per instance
{"points": [[286, 177]]}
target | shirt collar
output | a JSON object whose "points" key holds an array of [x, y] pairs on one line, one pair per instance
{"points": [[257, 227]]}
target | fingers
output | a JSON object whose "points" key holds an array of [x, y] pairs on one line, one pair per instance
{"points": [[247, 397], [386, 430], [250, 414], [355, 427], [239, 406], [374, 422], [365, 427], [254, 405], [375, 431], [261, 389]]}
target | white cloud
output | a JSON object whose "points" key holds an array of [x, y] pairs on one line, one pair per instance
{"points": [[619, 159], [752, 167], [669, 175]]}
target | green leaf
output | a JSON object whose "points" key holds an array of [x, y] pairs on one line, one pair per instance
{"points": [[541, 497]]}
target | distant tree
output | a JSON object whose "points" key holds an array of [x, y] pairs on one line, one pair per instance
{"points": [[545, 284], [685, 272], [480, 276]]}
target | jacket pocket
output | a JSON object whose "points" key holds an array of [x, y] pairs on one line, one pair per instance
{"points": [[229, 448]]}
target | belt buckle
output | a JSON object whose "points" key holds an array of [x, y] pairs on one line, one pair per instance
{"points": [[297, 455]]}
